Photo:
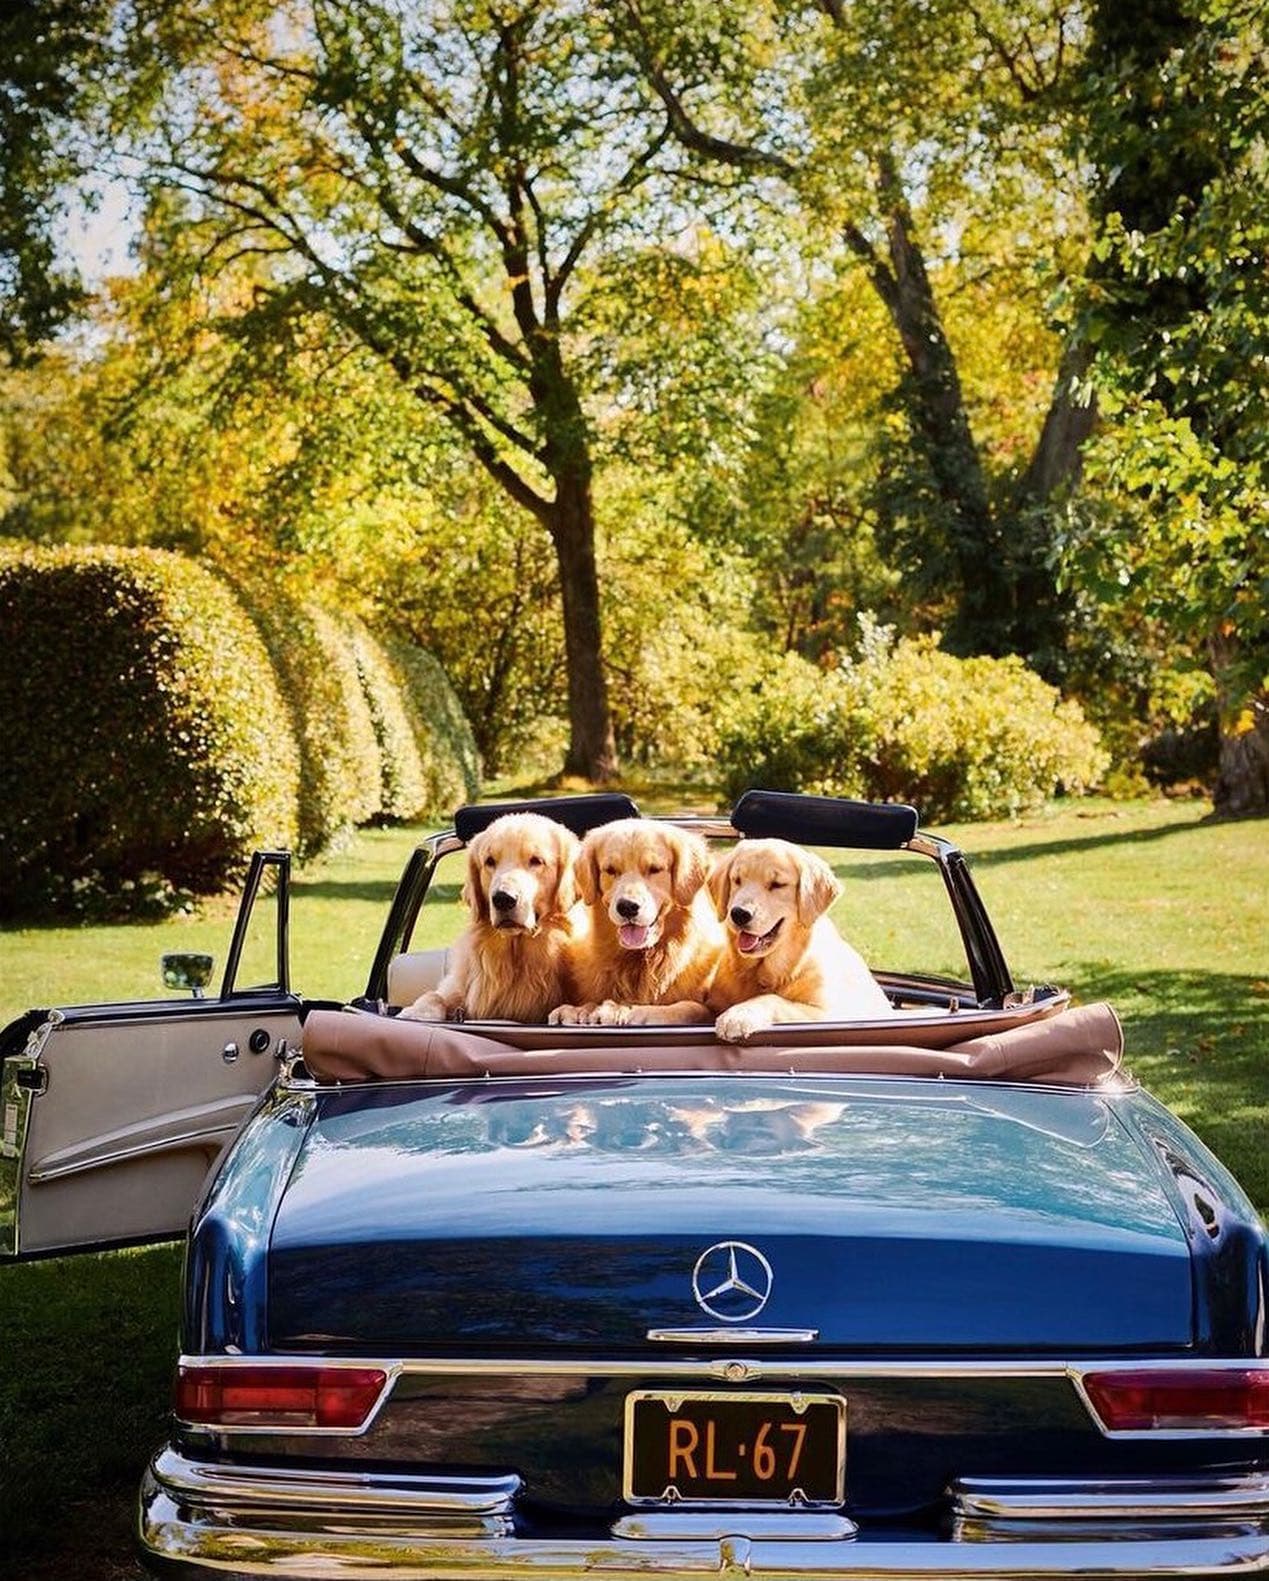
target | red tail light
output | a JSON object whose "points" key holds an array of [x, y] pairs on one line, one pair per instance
{"points": [[270, 1396], [1212, 1401]]}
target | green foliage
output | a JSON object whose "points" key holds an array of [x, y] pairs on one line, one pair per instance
{"points": [[1175, 121], [959, 738], [443, 737], [162, 728], [427, 759], [149, 748], [312, 654], [678, 637], [50, 63]]}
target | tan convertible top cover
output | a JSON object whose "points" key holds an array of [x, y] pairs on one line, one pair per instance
{"points": [[1075, 1048]]}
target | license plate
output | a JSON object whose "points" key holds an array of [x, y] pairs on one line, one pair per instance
{"points": [[735, 1448]]}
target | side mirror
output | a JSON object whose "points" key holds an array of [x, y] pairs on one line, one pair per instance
{"points": [[186, 969]]}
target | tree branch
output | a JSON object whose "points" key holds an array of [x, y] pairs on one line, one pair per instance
{"points": [[635, 172], [520, 491], [744, 156], [429, 246]]}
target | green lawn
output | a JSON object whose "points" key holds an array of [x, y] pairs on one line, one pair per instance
{"points": [[1144, 904]]}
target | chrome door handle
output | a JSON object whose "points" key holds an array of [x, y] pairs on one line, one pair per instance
{"points": [[230, 1052]]}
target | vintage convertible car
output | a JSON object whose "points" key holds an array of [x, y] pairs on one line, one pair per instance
{"points": [[942, 1295]]}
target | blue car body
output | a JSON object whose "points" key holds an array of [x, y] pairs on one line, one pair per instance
{"points": [[1029, 1318]]}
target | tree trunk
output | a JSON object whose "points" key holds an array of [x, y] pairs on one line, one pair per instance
{"points": [[592, 752], [1242, 785], [1242, 781], [936, 405], [1042, 612]]}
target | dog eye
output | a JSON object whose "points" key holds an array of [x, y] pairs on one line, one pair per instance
{"points": [[535, 861], [777, 883], [490, 862], [610, 872], [653, 870]]}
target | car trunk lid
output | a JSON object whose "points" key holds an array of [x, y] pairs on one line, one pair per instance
{"points": [[906, 1216]]}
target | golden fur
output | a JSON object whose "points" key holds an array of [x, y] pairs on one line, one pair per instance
{"points": [[770, 890], [513, 964], [644, 882]]}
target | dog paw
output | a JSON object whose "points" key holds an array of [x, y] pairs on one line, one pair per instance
{"points": [[428, 1007], [608, 1014], [568, 1015], [736, 1024]]}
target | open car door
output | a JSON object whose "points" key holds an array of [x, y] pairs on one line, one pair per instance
{"points": [[113, 1113]]}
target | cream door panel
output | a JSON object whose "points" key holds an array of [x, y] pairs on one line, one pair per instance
{"points": [[123, 1110]]}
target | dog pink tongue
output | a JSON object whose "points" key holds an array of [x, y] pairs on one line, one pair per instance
{"points": [[633, 935], [746, 941]]}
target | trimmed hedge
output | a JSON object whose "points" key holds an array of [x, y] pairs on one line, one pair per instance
{"points": [[147, 746], [442, 733], [160, 727], [402, 779], [312, 653], [958, 738]]}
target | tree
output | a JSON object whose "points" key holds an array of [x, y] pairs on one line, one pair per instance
{"points": [[918, 132], [51, 53], [1176, 126], [427, 181]]}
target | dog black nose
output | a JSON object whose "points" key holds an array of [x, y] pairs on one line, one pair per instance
{"points": [[502, 901], [627, 909], [740, 915]]}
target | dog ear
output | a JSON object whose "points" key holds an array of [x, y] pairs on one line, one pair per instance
{"points": [[586, 868], [720, 882], [818, 888], [473, 889], [689, 863], [566, 849]]}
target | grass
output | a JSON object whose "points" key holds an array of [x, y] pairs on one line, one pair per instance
{"points": [[1147, 904]]}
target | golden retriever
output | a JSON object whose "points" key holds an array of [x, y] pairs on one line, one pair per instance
{"points": [[513, 962], [654, 941], [785, 960]]}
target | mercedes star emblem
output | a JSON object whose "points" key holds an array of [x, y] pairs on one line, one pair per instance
{"points": [[732, 1281]]}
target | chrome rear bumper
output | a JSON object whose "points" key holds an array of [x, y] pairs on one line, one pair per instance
{"points": [[203, 1519]]}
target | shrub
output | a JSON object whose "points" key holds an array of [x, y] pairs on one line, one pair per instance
{"points": [[675, 639], [959, 738], [147, 744], [442, 735], [312, 652], [427, 758]]}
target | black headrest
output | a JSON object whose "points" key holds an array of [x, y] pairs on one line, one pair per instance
{"points": [[824, 820], [578, 813]]}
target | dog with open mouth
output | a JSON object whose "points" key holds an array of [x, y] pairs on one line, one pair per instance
{"points": [[514, 961], [655, 941], [785, 959]]}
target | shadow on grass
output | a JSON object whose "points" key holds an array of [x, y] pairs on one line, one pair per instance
{"points": [[897, 866], [1200, 1042], [89, 1350]]}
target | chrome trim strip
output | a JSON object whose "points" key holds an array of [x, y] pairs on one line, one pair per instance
{"points": [[39, 1176], [725, 1369], [16, 1098], [799, 1526], [296, 1486], [1192, 1496], [733, 1336], [721, 1366]]}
